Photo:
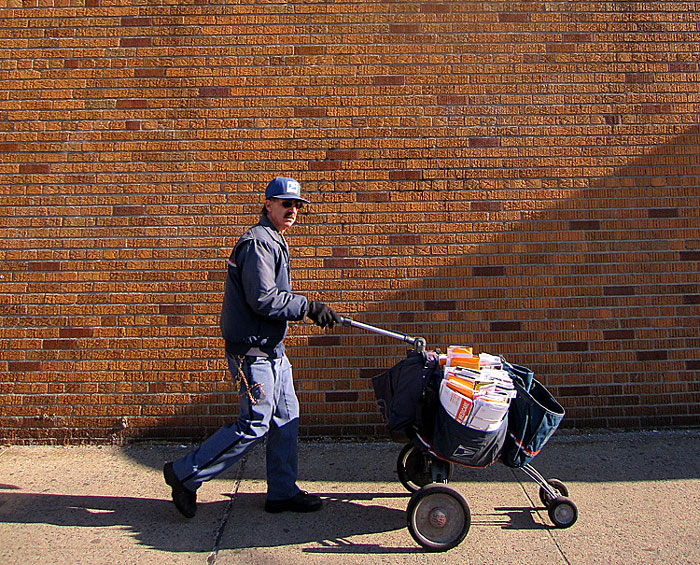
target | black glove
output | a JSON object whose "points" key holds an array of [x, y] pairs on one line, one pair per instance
{"points": [[322, 315]]}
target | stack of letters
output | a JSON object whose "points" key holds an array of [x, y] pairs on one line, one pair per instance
{"points": [[475, 390]]}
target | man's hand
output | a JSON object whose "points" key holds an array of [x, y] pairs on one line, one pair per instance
{"points": [[322, 315]]}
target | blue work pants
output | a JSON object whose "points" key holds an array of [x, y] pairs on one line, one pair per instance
{"points": [[274, 412]]}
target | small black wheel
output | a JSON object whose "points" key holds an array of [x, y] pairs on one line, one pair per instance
{"points": [[438, 517], [562, 512], [415, 468], [557, 485]]}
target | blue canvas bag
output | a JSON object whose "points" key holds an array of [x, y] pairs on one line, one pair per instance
{"points": [[519, 372], [399, 392], [457, 442], [533, 417]]}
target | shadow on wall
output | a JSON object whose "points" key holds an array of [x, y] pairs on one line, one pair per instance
{"points": [[596, 289]]}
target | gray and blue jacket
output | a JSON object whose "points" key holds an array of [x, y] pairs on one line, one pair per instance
{"points": [[258, 299]]}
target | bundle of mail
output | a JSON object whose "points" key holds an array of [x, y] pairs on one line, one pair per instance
{"points": [[475, 390]]}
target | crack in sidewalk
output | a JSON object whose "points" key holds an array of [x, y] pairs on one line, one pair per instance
{"points": [[535, 507], [211, 558]]}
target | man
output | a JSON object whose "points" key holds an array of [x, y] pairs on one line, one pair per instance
{"points": [[258, 303]]}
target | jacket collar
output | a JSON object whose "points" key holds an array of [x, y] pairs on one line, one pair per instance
{"points": [[265, 222]]}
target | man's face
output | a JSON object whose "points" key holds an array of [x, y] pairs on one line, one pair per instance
{"points": [[282, 213]]}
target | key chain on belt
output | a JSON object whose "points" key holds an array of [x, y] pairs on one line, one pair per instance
{"points": [[241, 378]]}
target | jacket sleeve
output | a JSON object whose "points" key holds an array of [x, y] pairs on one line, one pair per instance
{"points": [[256, 263]]}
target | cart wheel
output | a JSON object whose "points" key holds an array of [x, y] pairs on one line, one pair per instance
{"points": [[438, 517], [557, 485], [562, 512], [414, 468]]}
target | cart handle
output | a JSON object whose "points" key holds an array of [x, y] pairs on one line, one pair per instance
{"points": [[417, 342]]}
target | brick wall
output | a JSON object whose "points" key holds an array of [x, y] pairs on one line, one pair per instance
{"points": [[518, 176]]}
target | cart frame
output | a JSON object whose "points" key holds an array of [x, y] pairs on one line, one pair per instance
{"points": [[438, 516]]}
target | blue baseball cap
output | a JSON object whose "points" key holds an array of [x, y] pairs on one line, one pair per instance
{"points": [[285, 189]]}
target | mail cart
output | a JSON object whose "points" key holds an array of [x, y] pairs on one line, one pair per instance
{"points": [[453, 415]]}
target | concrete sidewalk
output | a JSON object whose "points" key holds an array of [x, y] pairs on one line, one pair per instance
{"points": [[638, 496]]}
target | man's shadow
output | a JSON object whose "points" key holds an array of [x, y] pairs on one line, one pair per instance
{"points": [[353, 508], [233, 520], [156, 524]]}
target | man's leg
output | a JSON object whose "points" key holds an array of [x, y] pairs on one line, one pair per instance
{"points": [[282, 455], [282, 461], [282, 439], [226, 446]]}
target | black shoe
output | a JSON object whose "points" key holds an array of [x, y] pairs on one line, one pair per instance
{"points": [[302, 502], [185, 500]]}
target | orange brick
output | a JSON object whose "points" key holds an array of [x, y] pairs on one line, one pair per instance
{"points": [[530, 188]]}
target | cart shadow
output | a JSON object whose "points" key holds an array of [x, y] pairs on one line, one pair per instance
{"points": [[516, 518], [346, 547]]}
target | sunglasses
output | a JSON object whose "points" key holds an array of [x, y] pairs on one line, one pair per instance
{"points": [[298, 204]]}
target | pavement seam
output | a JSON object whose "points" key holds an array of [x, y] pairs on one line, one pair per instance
{"points": [[211, 558], [536, 509]]}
